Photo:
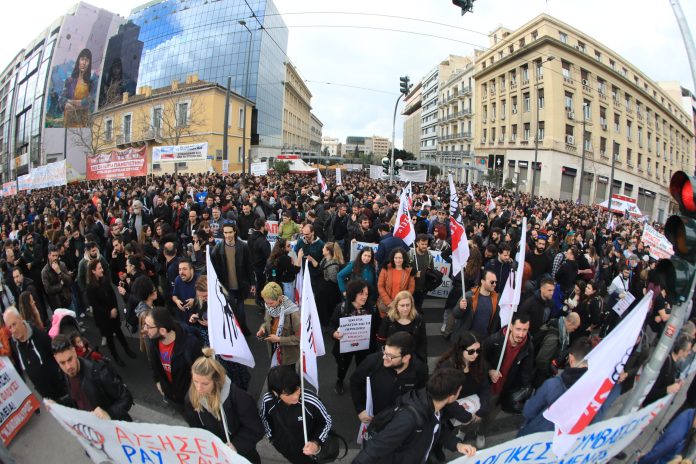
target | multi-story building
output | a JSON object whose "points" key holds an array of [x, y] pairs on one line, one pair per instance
{"points": [[182, 113], [584, 102], [207, 37], [296, 113], [315, 130], [356, 147], [412, 124], [431, 86], [456, 124], [687, 99], [49, 90], [378, 146], [331, 146]]}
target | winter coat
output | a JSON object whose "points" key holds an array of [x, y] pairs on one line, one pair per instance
{"points": [[463, 320], [522, 370], [550, 391], [346, 309], [407, 439], [369, 275], [243, 422], [416, 328], [385, 247], [260, 250], [290, 338], [538, 309], [388, 275], [103, 299], [35, 358], [242, 259], [58, 287], [672, 440], [187, 348], [103, 387]]}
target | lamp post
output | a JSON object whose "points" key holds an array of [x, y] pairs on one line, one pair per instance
{"points": [[582, 163], [247, 65], [535, 166]]}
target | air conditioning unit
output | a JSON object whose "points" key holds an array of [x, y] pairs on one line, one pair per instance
{"points": [[571, 115], [604, 125], [570, 140], [584, 82], [514, 111]]}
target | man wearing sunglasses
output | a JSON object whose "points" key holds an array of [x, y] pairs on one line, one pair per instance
{"points": [[91, 385], [478, 312], [392, 372]]}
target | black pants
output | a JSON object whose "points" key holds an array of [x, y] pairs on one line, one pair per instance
{"points": [[109, 335], [418, 297], [343, 361]]}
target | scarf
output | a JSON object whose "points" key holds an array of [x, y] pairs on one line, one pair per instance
{"points": [[285, 307]]}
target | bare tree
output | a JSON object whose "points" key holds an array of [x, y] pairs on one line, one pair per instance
{"points": [[95, 136]]}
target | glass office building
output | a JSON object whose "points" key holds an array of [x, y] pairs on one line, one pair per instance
{"points": [[172, 39]]}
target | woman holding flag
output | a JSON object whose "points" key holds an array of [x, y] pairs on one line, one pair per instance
{"points": [[281, 326]]}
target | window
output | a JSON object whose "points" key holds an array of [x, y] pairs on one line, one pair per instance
{"points": [[598, 55], [629, 160], [640, 137], [601, 86], [617, 123], [526, 102], [514, 104], [525, 74], [157, 120], [627, 98], [493, 111], [241, 118], [629, 130], [603, 146], [640, 160], [513, 77], [563, 37], [612, 63], [513, 133], [568, 101], [565, 66], [109, 129], [540, 131], [182, 114], [586, 109], [535, 35], [588, 141], [540, 98], [503, 109], [525, 135], [581, 46], [127, 120], [485, 112], [615, 94], [539, 70], [603, 117], [616, 151]]}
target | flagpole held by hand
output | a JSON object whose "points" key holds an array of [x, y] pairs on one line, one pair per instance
{"points": [[302, 388], [505, 342]]}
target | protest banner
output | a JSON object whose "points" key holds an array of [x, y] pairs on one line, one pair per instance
{"points": [[180, 153], [259, 169], [353, 167], [117, 164], [597, 444], [356, 333], [660, 247], [48, 175], [443, 266], [376, 172], [131, 442], [355, 248], [272, 227], [18, 402], [24, 182], [414, 176]]}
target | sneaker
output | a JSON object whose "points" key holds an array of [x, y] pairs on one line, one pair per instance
{"points": [[339, 387], [480, 441]]}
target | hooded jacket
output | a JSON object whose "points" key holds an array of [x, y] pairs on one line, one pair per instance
{"points": [[407, 439], [243, 422], [550, 391], [35, 358]]}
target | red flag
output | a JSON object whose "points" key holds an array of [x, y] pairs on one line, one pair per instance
{"points": [[460, 243], [403, 228]]}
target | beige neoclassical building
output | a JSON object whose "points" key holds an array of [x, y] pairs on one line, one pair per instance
{"points": [[581, 98]]}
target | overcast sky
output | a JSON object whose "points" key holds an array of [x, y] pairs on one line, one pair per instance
{"points": [[644, 32]]}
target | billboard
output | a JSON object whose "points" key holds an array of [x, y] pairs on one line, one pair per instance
{"points": [[180, 153], [117, 164], [121, 65]]}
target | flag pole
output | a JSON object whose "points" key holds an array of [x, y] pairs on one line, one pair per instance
{"points": [[507, 336], [415, 255], [302, 388]]}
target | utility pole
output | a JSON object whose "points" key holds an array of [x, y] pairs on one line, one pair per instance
{"points": [[611, 180], [535, 166], [391, 171], [686, 37], [678, 274]]}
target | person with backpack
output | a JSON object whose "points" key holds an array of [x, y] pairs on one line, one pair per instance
{"points": [[260, 250], [553, 388], [280, 268], [393, 372], [551, 344], [284, 421], [407, 433]]}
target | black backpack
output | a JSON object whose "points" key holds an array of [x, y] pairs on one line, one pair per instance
{"points": [[384, 417]]}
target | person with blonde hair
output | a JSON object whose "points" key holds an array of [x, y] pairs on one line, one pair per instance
{"points": [[403, 316], [215, 404], [281, 326]]}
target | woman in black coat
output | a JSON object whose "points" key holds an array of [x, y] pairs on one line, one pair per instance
{"points": [[105, 309], [215, 404]]}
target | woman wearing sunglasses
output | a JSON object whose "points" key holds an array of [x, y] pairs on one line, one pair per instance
{"points": [[465, 355]]}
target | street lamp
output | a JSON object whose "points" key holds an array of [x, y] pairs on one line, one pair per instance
{"points": [[247, 65], [535, 166], [582, 163]]}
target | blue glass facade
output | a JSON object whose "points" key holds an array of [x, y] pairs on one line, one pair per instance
{"points": [[179, 38]]}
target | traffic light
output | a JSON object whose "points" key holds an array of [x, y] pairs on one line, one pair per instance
{"points": [[385, 165], [465, 5], [397, 165], [677, 272], [405, 85]]}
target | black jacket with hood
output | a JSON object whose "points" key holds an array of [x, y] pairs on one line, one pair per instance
{"points": [[35, 358]]}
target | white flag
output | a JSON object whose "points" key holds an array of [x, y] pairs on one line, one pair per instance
{"points": [[490, 204], [549, 217], [224, 333], [409, 195], [575, 409], [311, 340], [470, 191], [362, 432], [403, 227], [510, 298], [460, 243], [339, 180], [321, 181]]}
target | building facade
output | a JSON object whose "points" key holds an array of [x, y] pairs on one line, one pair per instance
{"points": [[297, 117], [315, 134], [331, 146], [378, 146], [49, 91], [590, 109], [182, 113], [205, 37], [413, 110]]}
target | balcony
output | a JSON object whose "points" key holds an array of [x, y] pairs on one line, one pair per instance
{"points": [[465, 91], [602, 95], [123, 140]]}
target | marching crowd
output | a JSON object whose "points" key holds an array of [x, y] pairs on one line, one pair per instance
{"points": [[131, 256]]}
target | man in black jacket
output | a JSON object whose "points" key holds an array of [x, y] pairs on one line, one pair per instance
{"points": [[538, 305], [260, 250], [31, 351], [25, 284], [668, 380], [232, 263], [91, 385], [172, 351], [392, 372], [415, 427]]}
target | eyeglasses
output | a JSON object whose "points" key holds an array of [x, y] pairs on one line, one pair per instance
{"points": [[473, 351], [493, 282], [147, 326], [389, 356]]}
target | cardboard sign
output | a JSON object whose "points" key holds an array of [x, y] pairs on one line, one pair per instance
{"points": [[622, 305], [356, 333]]}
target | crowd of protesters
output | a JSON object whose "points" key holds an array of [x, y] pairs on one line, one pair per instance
{"points": [[131, 256]]}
